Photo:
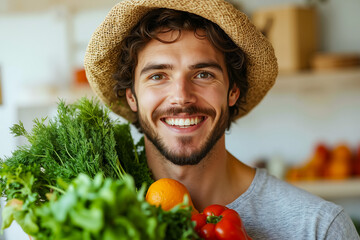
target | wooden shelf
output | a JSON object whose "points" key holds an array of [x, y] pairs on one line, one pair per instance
{"points": [[332, 189], [319, 81]]}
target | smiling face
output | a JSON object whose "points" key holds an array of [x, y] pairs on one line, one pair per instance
{"points": [[182, 96]]}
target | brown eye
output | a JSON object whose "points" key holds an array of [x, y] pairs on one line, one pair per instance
{"points": [[157, 77], [203, 75]]}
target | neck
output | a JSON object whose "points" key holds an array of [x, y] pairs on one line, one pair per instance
{"points": [[219, 178]]}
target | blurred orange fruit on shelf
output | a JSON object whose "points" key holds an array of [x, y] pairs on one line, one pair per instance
{"points": [[317, 163], [293, 174], [302, 173], [168, 193], [341, 151], [314, 168], [336, 163], [340, 163]]}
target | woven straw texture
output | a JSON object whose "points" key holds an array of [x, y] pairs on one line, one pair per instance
{"points": [[102, 52]]}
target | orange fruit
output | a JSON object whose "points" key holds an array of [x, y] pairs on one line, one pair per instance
{"points": [[167, 193]]}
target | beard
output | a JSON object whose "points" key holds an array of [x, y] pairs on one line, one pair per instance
{"points": [[187, 155]]}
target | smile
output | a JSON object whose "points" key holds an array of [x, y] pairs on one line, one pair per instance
{"points": [[184, 122]]}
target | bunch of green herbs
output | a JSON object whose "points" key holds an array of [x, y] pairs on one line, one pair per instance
{"points": [[81, 139]]}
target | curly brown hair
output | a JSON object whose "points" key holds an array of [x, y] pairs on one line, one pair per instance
{"points": [[163, 20]]}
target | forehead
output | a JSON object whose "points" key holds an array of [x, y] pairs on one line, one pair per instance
{"points": [[168, 35], [185, 45]]}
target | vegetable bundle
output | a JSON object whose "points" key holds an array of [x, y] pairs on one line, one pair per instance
{"points": [[49, 188]]}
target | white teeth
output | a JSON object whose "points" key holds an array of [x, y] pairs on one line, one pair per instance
{"points": [[183, 122]]}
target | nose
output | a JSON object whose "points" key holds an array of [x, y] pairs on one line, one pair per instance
{"points": [[182, 92]]}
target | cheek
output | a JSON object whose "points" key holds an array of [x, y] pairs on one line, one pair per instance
{"points": [[216, 96], [149, 100]]}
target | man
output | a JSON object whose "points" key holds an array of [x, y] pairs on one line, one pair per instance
{"points": [[182, 71]]}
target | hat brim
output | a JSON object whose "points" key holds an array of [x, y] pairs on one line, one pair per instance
{"points": [[101, 56]]}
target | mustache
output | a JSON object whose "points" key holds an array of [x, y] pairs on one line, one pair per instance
{"points": [[173, 111]]}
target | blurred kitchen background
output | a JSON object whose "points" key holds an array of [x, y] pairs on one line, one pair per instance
{"points": [[306, 131]]}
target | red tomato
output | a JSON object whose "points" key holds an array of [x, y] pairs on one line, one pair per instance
{"points": [[233, 216], [218, 222], [214, 210], [226, 229], [208, 232], [200, 221]]}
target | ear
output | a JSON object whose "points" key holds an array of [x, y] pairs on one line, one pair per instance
{"points": [[233, 95], [131, 99]]}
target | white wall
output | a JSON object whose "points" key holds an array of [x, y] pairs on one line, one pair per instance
{"points": [[33, 52]]}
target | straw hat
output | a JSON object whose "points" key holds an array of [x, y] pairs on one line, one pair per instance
{"points": [[102, 52]]}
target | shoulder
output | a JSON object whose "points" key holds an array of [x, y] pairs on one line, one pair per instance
{"points": [[342, 227], [274, 209], [278, 192]]}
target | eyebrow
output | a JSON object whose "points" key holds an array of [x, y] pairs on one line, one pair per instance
{"points": [[154, 66], [207, 65]]}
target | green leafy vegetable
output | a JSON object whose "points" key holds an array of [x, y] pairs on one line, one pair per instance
{"points": [[99, 209], [106, 209]]}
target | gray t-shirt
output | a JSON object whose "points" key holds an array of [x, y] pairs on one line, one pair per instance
{"points": [[274, 209]]}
